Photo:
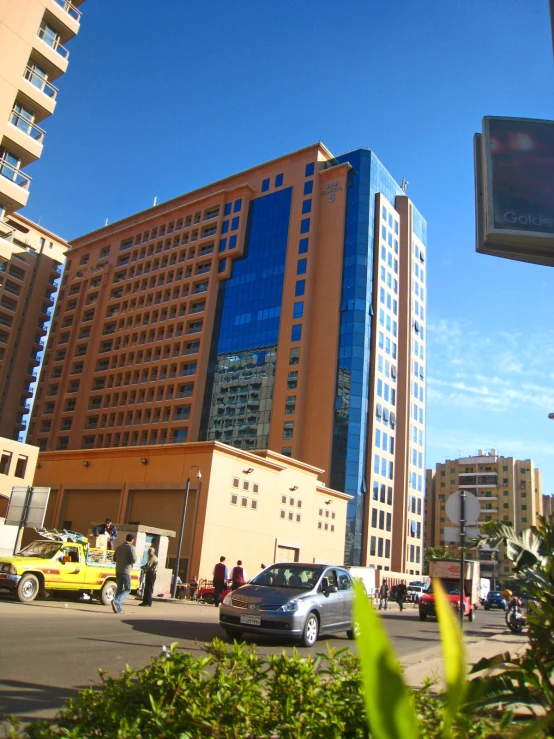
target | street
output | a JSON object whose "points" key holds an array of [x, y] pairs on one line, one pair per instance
{"points": [[52, 648]]}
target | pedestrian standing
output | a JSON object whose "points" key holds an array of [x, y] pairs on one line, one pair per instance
{"points": [[150, 569], [193, 586], [238, 575], [124, 557], [220, 578], [401, 594], [384, 595]]}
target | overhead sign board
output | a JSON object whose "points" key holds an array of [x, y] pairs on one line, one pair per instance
{"points": [[514, 189], [27, 507]]}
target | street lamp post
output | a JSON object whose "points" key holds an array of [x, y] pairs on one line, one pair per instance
{"points": [[181, 531]]}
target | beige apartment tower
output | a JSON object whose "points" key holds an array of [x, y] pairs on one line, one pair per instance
{"points": [[33, 55], [509, 490]]}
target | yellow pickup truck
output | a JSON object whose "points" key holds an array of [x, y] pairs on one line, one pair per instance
{"points": [[61, 562]]}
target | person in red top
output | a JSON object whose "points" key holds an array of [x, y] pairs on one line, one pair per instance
{"points": [[220, 577], [238, 575]]}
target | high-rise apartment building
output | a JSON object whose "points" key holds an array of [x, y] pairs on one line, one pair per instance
{"points": [[33, 55], [508, 490], [31, 264], [33, 34], [281, 308]]}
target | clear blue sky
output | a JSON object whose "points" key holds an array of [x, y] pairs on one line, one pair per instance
{"points": [[161, 98]]}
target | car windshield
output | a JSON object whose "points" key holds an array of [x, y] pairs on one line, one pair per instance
{"points": [[289, 576], [495, 595], [40, 549], [450, 588]]}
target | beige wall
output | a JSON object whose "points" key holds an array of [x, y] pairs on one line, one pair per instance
{"points": [[117, 483], [11, 452]]}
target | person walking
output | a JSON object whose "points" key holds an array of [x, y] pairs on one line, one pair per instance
{"points": [[384, 595], [220, 578], [238, 576], [401, 591], [124, 557], [150, 569], [193, 587]]}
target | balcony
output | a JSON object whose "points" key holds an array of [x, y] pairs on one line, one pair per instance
{"points": [[53, 53], [67, 14], [26, 138], [14, 186]]}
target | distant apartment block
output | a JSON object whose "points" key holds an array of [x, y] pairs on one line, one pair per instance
{"points": [[508, 490], [281, 308], [31, 265]]}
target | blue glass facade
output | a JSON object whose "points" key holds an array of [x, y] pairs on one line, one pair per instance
{"points": [[351, 423], [239, 388]]}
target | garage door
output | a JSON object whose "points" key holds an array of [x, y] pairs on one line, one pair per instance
{"points": [[288, 554], [81, 507]]}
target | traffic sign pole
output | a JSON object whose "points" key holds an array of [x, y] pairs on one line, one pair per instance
{"points": [[462, 543]]}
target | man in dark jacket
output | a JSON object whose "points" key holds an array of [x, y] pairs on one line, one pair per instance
{"points": [[220, 578], [124, 557], [150, 569], [401, 593], [109, 530]]}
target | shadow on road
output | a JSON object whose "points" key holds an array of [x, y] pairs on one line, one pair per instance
{"points": [[30, 700]]}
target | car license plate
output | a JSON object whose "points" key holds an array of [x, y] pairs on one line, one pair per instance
{"points": [[250, 620]]}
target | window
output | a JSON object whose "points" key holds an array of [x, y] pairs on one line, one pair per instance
{"points": [[300, 288], [234, 499], [226, 212], [303, 245], [244, 502], [292, 380], [255, 487], [265, 185], [288, 429], [245, 485], [286, 451], [235, 482], [290, 405], [5, 462], [296, 333], [308, 187], [310, 168], [279, 180], [301, 266], [305, 226], [235, 223], [21, 467], [307, 205], [254, 505], [237, 205], [294, 356]]}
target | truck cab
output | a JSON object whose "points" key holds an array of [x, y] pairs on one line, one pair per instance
{"points": [[448, 572]]}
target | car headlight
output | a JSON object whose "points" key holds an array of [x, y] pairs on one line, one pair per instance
{"points": [[227, 600], [291, 606], [8, 568]]}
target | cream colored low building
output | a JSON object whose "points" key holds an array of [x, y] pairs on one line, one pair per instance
{"points": [[17, 468], [260, 507]]}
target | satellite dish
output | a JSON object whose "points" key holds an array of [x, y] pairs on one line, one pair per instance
{"points": [[472, 508]]}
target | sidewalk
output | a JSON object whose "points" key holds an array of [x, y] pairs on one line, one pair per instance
{"points": [[428, 663]]}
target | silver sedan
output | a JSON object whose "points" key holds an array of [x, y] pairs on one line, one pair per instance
{"points": [[300, 601]]}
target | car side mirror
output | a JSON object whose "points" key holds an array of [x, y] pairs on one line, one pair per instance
{"points": [[324, 585], [332, 589]]}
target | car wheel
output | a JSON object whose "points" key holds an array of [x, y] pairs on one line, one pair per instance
{"points": [[28, 588], [232, 634], [354, 632], [422, 616], [107, 594], [471, 615], [487, 607], [311, 631]]}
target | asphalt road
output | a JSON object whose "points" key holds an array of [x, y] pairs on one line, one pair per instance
{"points": [[49, 649]]}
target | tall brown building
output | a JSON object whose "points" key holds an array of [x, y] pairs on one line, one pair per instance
{"points": [[281, 308], [507, 489]]}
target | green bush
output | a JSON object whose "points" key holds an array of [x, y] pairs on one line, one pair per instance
{"points": [[233, 693]]}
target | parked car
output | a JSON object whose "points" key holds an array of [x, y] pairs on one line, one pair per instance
{"points": [[207, 594], [300, 601], [414, 592], [495, 599]]}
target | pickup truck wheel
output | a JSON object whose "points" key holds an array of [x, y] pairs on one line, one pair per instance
{"points": [[471, 615], [107, 594], [422, 616], [28, 588]]}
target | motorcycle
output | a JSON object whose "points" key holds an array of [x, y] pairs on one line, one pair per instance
{"points": [[515, 619]]}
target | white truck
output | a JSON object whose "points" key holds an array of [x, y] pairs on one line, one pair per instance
{"points": [[448, 572]]}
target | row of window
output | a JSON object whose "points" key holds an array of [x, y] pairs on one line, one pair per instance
{"points": [[246, 485], [244, 502], [381, 519], [6, 459]]}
